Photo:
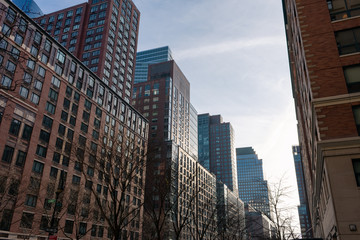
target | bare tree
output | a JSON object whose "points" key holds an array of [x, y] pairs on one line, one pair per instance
{"points": [[114, 180]]}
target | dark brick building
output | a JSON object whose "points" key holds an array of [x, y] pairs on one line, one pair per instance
{"points": [[62, 128], [323, 47]]}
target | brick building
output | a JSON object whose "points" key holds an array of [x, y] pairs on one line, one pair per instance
{"points": [[323, 48], [65, 137], [103, 35]]}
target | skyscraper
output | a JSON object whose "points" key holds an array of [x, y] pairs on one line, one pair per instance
{"points": [[64, 145], [147, 57], [303, 208], [174, 177], [323, 50], [103, 35], [29, 7], [253, 189], [216, 148]]}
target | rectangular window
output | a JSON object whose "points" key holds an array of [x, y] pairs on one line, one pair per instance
{"points": [[53, 95], [50, 107], [30, 200], [41, 151], [44, 136], [8, 154], [341, 9], [69, 225], [14, 127], [356, 112], [348, 40], [38, 167], [27, 220], [24, 92], [26, 135], [47, 122], [21, 158], [352, 77]]}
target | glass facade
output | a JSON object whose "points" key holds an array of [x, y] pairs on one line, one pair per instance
{"points": [[253, 189], [145, 58], [29, 7], [304, 216]]}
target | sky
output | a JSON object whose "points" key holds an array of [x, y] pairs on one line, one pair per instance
{"points": [[234, 54]]}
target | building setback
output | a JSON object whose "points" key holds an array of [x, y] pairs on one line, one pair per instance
{"points": [[147, 57], [303, 208], [216, 148], [324, 67], [173, 173], [65, 134], [253, 189], [103, 35]]}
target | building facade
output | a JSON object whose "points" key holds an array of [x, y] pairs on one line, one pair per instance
{"points": [[324, 66], [103, 35], [253, 189], [147, 57], [303, 208], [65, 134], [258, 225], [179, 192], [230, 214], [216, 148]]}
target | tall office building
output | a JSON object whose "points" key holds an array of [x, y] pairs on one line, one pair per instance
{"points": [[147, 57], [216, 148], [103, 35], [324, 62], [174, 177], [303, 208], [29, 7], [63, 142], [253, 189]]}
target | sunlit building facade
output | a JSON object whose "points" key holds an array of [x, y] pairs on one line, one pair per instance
{"points": [[103, 35], [56, 120], [324, 67]]}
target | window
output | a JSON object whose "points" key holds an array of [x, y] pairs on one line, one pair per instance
{"points": [[56, 157], [6, 30], [348, 41], [27, 78], [20, 159], [10, 66], [27, 220], [38, 167], [352, 77], [14, 127], [55, 81], [41, 71], [18, 39], [59, 143], [356, 166], [76, 180], [37, 37], [6, 81], [82, 228], [8, 154], [24, 92], [60, 56], [27, 132], [53, 95], [34, 51], [15, 53], [6, 219], [35, 98], [69, 225], [41, 151], [50, 107], [356, 111], [84, 127], [341, 9], [47, 122], [30, 200], [53, 172]]}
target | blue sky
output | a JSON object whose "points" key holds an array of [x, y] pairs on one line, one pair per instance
{"points": [[234, 54]]}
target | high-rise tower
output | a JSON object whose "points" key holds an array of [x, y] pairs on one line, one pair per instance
{"points": [[216, 148], [103, 35], [323, 47], [303, 208], [253, 189]]}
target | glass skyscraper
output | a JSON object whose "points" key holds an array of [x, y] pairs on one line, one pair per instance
{"points": [[145, 58], [216, 148], [29, 7], [304, 216], [253, 189]]}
